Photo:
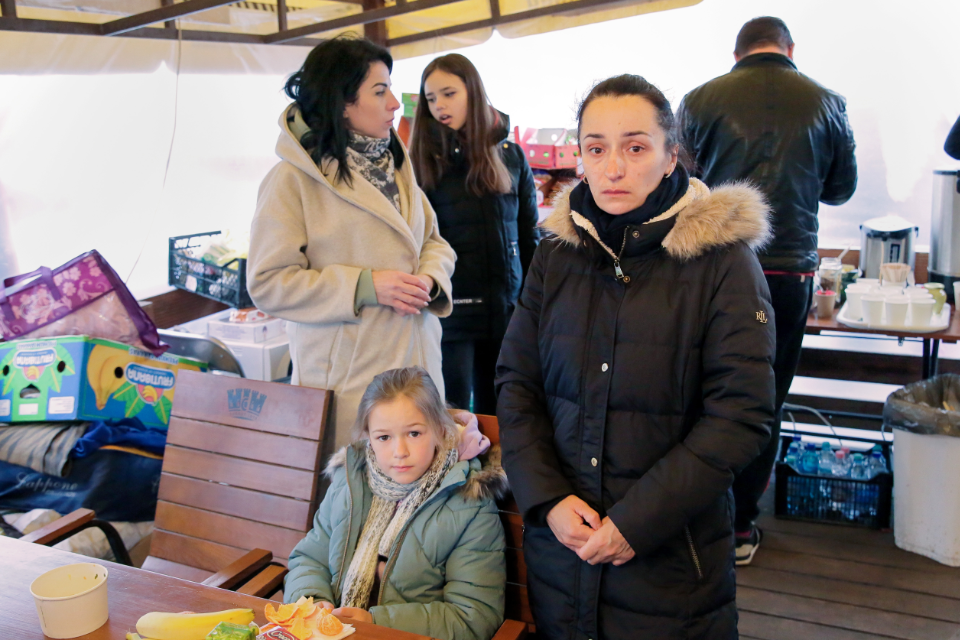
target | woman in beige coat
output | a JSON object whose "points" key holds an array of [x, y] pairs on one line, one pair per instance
{"points": [[344, 245]]}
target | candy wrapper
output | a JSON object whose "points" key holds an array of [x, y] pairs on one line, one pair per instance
{"points": [[230, 631]]}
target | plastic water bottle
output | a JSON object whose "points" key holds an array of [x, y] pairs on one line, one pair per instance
{"points": [[794, 447], [858, 470], [791, 460], [827, 460], [877, 463], [810, 461], [841, 467]]}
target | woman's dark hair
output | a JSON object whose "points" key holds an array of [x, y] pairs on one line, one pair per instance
{"points": [[430, 141], [631, 85], [327, 82]]}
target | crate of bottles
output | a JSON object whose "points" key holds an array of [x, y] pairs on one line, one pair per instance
{"points": [[817, 483], [188, 270]]}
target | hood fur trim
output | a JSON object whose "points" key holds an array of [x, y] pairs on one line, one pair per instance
{"points": [[489, 482], [705, 220]]}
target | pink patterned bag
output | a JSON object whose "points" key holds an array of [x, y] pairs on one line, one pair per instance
{"points": [[82, 297]]}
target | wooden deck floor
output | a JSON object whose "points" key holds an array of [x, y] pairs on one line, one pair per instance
{"points": [[825, 582]]}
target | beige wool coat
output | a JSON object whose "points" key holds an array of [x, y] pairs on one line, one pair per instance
{"points": [[310, 239]]}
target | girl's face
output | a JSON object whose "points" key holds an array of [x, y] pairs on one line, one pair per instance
{"points": [[401, 439], [371, 114], [624, 152], [447, 98]]}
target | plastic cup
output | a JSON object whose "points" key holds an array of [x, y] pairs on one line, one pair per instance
{"points": [[872, 306], [956, 293], [921, 310], [896, 308], [825, 303], [71, 600]]}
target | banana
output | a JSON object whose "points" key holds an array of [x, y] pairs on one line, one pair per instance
{"points": [[98, 355], [189, 626], [108, 380]]}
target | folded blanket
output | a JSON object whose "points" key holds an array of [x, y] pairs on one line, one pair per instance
{"points": [[125, 432], [42, 446]]}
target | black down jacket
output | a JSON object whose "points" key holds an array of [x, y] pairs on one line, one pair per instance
{"points": [[494, 236], [768, 123], [643, 399]]}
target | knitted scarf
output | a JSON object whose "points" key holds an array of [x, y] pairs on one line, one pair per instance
{"points": [[393, 505], [372, 159]]}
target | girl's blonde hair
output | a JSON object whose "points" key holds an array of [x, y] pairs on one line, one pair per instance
{"points": [[415, 384]]}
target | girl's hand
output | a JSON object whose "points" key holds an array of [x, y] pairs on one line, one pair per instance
{"points": [[607, 544], [361, 615], [402, 291], [329, 606]]}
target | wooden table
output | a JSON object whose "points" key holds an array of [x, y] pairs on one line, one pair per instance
{"points": [[931, 341], [132, 593]]}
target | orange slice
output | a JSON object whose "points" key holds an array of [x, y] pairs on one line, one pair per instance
{"points": [[330, 625], [300, 629]]}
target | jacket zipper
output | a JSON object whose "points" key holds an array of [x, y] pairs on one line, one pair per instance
{"points": [[693, 553], [343, 561], [616, 261]]}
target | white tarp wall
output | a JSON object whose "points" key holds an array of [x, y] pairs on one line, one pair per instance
{"points": [[86, 123]]}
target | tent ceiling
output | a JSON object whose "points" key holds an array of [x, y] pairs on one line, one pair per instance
{"points": [[409, 27]]}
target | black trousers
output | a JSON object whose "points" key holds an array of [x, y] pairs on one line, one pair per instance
{"points": [[469, 367], [791, 303]]}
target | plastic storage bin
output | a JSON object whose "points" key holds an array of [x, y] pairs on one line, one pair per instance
{"points": [[925, 417], [226, 284], [834, 500]]}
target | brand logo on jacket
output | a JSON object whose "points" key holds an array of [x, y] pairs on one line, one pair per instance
{"points": [[762, 317], [245, 404]]}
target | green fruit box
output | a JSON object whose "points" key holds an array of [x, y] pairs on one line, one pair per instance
{"points": [[81, 378]]}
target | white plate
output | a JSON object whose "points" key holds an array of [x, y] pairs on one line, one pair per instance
{"points": [[938, 322]]}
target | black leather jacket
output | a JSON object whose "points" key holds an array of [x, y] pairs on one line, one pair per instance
{"points": [[768, 123]]}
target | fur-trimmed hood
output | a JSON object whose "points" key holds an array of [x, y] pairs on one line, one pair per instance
{"points": [[705, 220], [489, 481]]}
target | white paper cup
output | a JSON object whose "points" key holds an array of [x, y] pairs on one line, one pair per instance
{"points": [[872, 306], [956, 293], [896, 308], [854, 294], [71, 600], [921, 310]]}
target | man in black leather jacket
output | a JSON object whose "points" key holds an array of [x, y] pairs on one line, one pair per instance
{"points": [[767, 123]]}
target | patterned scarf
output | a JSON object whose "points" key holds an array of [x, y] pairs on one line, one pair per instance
{"points": [[393, 505], [372, 159]]}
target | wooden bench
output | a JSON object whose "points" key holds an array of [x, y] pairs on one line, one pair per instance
{"points": [[518, 602]]}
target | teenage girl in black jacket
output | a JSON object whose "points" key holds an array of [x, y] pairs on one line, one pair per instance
{"points": [[482, 190]]}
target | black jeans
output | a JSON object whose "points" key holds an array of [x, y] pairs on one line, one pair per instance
{"points": [[791, 303], [469, 366]]}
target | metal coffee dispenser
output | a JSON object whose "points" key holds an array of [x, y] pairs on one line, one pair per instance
{"points": [[885, 239], [945, 230]]}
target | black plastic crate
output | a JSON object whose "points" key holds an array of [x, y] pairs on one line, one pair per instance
{"points": [[844, 501], [226, 284]]}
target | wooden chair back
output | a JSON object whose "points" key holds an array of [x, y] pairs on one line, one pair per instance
{"points": [[240, 472], [517, 600]]}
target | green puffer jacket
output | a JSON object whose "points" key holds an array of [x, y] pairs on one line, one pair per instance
{"points": [[446, 575]]}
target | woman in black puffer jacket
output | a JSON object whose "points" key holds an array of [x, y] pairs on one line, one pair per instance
{"points": [[482, 190], [635, 380]]}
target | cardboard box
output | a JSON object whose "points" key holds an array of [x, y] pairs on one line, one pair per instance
{"points": [[267, 361], [223, 329], [82, 378], [550, 148]]}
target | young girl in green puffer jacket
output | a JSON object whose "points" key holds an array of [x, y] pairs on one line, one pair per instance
{"points": [[408, 535]]}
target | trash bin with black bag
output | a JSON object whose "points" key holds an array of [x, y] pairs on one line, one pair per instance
{"points": [[925, 417]]}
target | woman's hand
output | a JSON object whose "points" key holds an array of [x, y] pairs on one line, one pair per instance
{"points": [[607, 544], [566, 520], [407, 294], [361, 615]]}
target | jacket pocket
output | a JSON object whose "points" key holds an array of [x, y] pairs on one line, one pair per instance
{"points": [[694, 555]]}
